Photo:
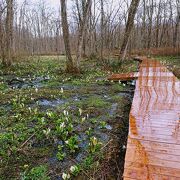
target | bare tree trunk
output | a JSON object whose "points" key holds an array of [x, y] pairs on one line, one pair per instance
{"points": [[144, 25], [177, 24], [158, 25], [1, 31], [82, 29], [150, 17], [37, 28], [129, 27], [70, 68], [7, 59], [102, 28]]}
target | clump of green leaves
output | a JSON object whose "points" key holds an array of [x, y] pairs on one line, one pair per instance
{"points": [[87, 163], [3, 86], [94, 144], [60, 155], [18, 102], [89, 131], [66, 176], [6, 141], [103, 124], [36, 173], [51, 115], [72, 143], [64, 126], [75, 170], [93, 120]]}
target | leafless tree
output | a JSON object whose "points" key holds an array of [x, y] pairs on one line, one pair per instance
{"points": [[177, 23], [70, 65], [96, 27], [86, 5], [129, 26], [7, 33]]}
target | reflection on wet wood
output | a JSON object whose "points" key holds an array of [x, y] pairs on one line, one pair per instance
{"points": [[153, 150], [123, 77]]}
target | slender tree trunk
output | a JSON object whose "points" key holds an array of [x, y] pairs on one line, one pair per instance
{"points": [[7, 59], [70, 68], [82, 33], [102, 28], [177, 24], [129, 27], [158, 24], [144, 25], [150, 17], [1, 32]]}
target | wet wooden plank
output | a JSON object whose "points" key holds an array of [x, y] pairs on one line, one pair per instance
{"points": [[155, 173], [155, 158], [153, 149], [164, 150], [139, 168], [126, 178], [123, 77], [174, 157]]}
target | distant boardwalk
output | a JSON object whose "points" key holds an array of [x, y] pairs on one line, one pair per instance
{"points": [[153, 150]]}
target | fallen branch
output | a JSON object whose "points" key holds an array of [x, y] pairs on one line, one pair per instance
{"points": [[27, 140], [106, 144]]}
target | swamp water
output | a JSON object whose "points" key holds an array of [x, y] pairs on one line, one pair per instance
{"points": [[80, 97]]}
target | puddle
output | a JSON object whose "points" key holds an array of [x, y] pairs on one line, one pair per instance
{"points": [[108, 127], [79, 97], [25, 82], [79, 93], [103, 137], [113, 109], [46, 104], [133, 83], [107, 97], [83, 140], [50, 103], [100, 79], [76, 98], [127, 95], [80, 157], [5, 107]]}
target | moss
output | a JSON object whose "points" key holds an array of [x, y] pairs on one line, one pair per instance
{"points": [[97, 102], [117, 98], [3, 86], [42, 151], [117, 88], [36, 173], [52, 83], [93, 101]]}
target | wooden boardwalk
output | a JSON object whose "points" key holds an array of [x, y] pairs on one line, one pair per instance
{"points": [[153, 149], [123, 77]]}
